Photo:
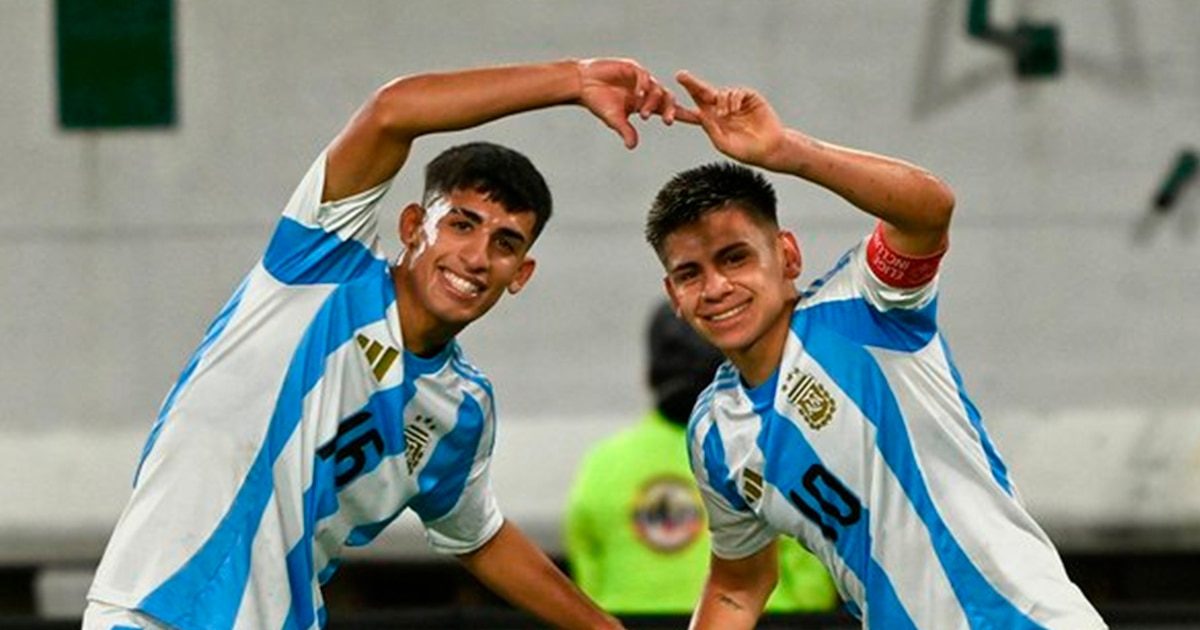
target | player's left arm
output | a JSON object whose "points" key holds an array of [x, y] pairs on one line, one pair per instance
{"points": [[514, 568], [914, 205]]}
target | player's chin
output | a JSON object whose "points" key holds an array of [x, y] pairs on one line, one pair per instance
{"points": [[464, 311], [729, 340]]}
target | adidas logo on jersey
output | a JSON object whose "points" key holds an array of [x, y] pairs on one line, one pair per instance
{"points": [[379, 356], [417, 436], [810, 398]]}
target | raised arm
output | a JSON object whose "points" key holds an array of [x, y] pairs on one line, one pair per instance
{"points": [[376, 142], [737, 591], [914, 205], [513, 567]]}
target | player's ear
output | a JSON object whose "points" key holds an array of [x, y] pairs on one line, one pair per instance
{"points": [[793, 260], [412, 217], [524, 273]]}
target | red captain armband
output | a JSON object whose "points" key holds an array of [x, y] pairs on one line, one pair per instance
{"points": [[898, 270]]}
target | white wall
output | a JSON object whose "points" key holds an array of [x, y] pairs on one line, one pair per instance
{"points": [[118, 247]]}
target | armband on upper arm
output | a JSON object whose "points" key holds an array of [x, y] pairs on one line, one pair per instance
{"points": [[900, 270]]}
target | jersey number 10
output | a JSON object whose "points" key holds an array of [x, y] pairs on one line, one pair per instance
{"points": [[828, 499]]}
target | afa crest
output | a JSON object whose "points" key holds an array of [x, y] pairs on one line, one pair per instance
{"points": [[810, 398]]}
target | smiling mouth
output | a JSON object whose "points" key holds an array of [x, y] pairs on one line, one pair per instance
{"points": [[724, 315], [462, 285]]}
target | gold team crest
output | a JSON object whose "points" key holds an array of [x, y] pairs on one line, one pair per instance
{"points": [[810, 398], [417, 436]]}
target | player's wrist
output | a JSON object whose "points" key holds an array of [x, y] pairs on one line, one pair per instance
{"points": [[574, 72]]}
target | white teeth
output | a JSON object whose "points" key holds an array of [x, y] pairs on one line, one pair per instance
{"points": [[727, 314], [461, 283]]}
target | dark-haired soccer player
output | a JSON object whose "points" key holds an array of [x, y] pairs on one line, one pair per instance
{"points": [[329, 394], [840, 419]]}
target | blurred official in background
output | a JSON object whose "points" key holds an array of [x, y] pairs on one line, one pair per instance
{"points": [[636, 536]]}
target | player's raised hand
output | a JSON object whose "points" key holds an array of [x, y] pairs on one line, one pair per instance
{"points": [[615, 89], [739, 121]]}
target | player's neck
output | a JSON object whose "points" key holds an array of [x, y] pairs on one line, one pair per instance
{"points": [[758, 361], [422, 332]]}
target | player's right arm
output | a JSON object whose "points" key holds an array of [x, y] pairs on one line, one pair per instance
{"points": [[736, 591], [376, 142]]}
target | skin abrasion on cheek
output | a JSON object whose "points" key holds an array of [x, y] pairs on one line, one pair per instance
{"points": [[436, 208]]}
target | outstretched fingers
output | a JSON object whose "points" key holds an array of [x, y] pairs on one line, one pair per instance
{"points": [[703, 94]]}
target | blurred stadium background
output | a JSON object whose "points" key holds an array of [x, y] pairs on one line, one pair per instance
{"points": [[149, 145]]}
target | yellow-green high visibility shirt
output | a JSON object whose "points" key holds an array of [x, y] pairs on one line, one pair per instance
{"points": [[636, 536]]}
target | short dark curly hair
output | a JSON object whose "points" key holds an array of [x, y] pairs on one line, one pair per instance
{"points": [[502, 174], [692, 193]]}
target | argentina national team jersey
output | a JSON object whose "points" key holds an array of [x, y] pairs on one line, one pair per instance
{"points": [[300, 426], [864, 446]]}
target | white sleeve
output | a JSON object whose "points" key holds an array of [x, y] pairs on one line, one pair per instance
{"points": [[476, 516], [735, 533], [352, 218], [473, 520], [890, 279], [736, 530], [328, 242]]}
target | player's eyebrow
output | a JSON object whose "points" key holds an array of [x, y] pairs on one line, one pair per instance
{"points": [[683, 266], [477, 219], [717, 255]]}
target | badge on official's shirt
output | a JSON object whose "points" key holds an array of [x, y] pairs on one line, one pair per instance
{"points": [[667, 513]]}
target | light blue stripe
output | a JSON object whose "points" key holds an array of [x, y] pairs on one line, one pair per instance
{"points": [[444, 476], [207, 591], [703, 403], [299, 254], [387, 418], [719, 475], [899, 330], [788, 455], [856, 372], [999, 470], [714, 449], [471, 373], [299, 576], [210, 337], [330, 568], [364, 534]]}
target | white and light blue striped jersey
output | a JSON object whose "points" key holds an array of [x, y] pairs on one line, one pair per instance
{"points": [[299, 427], [864, 446]]}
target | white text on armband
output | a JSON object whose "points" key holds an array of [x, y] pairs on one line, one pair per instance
{"points": [[898, 270]]}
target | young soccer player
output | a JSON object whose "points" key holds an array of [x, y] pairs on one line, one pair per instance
{"points": [[841, 419], [329, 394]]}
